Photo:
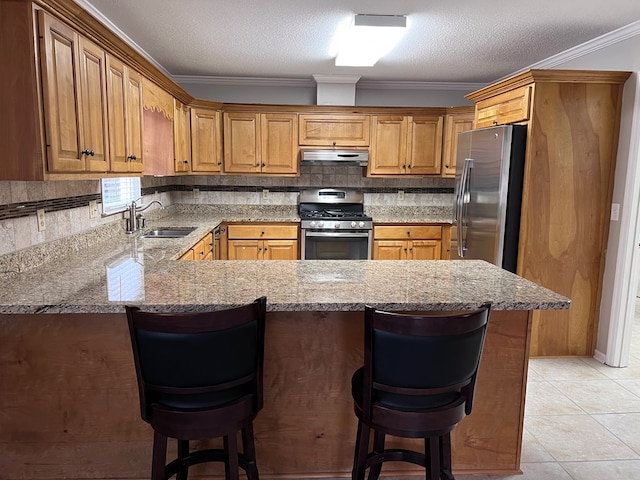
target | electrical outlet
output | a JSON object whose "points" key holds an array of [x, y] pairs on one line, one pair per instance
{"points": [[41, 223], [93, 209], [265, 194], [400, 195], [196, 192]]}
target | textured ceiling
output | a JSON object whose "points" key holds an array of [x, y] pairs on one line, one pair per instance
{"points": [[474, 41]]}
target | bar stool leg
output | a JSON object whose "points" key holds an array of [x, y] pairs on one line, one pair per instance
{"points": [[249, 449], [378, 446], [362, 445], [183, 452], [432, 454], [445, 456], [159, 457], [231, 466]]}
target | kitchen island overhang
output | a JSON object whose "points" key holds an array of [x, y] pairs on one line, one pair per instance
{"points": [[68, 377]]}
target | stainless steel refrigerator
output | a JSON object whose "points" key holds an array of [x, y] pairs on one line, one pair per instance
{"points": [[488, 194]]}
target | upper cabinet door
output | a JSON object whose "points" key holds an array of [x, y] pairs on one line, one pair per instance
{"points": [[116, 86], [279, 143], [181, 137], [206, 141], [453, 125], [242, 153], [388, 152], [133, 119], [124, 99], [334, 130], [93, 101], [61, 95], [424, 145]]}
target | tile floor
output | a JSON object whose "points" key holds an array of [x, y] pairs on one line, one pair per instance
{"points": [[582, 420]]}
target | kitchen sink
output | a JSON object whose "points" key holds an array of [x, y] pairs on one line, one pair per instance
{"points": [[169, 232]]}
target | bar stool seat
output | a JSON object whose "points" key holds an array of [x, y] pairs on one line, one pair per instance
{"points": [[199, 377], [418, 381]]}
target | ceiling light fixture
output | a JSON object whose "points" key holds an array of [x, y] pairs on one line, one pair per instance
{"points": [[369, 38]]}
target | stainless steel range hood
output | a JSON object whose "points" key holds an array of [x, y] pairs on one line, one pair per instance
{"points": [[331, 157]]}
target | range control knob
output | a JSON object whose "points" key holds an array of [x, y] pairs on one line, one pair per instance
{"points": [[312, 223], [320, 224], [354, 224], [361, 224], [336, 225]]}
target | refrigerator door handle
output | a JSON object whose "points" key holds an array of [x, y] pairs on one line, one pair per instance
{"points": [[462, 194]]}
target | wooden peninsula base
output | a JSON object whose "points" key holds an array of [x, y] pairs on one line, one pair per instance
{"points": [[70, 409]]}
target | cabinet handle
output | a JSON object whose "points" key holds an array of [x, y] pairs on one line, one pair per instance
{"points": [[409, 166], [132, 158], [88, 152], [405, 249], [334, 144], [186, 162], [408, 233], [495, 122], [446, 165], [262, 233], [264, 164], [258, 164], [219, 163]]}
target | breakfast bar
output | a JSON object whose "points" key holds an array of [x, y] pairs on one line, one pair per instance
{"points": [[67, 384]]}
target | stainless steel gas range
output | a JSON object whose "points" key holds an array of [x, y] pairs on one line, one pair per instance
{"points": [[334, 225]]}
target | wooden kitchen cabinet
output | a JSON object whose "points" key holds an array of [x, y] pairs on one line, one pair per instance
{"points": [[202, 250], [206, 140], [454, 123], [512, 106], [181, 137], [572, 119], [74, 95], [407, 242], [262, 143], [257, 241], [125, 104], [405, 145], [333, 130]]}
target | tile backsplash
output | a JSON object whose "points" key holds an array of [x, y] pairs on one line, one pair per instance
{"points": [[66, 203]]}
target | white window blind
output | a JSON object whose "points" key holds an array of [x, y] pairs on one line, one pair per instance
{"points": [[118, 193]]}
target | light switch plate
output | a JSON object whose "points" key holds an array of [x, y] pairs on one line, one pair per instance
{"points": [[400, 195], [615, 211], [265, 194], [196, 192], [41, 223]]}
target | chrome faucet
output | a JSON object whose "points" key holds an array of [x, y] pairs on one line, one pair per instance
{"points": [[136, 220]]}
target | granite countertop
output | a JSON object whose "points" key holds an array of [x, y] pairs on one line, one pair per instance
{"points": [[130, 270]]}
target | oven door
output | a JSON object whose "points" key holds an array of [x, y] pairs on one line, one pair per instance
{"points": [[344, 245]]}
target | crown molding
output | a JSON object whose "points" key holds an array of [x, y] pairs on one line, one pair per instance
{"points": [[97, 14], [598, 43], [244, 81], [408, 85], [310, 83]]}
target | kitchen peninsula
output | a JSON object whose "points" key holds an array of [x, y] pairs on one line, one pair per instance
{"points": [[68, 385]]}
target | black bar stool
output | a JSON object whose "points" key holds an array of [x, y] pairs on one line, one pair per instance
{"points": [[200, 377], [417, 381]]}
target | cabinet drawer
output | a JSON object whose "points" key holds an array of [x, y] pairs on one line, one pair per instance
{"points": [[405, 232], [334, 130], [263, 231], [508, 107]]}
